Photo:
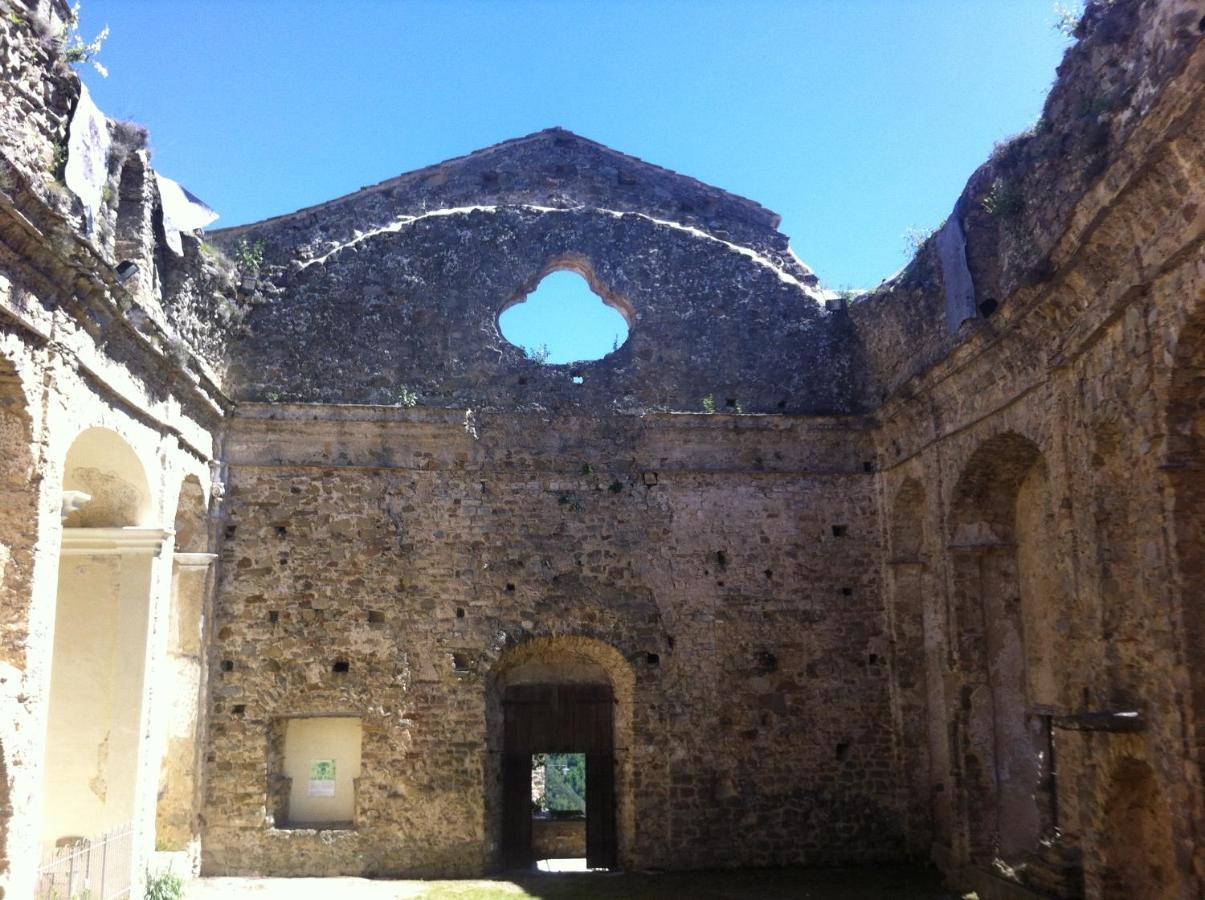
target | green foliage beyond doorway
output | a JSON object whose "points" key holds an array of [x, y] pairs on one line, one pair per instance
{"points": [[564, 783]]}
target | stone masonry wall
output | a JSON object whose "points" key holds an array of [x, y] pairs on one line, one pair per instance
{"points": [[82, 350], [1074, 381], [370, 297], [935, 594], [729, 560]]}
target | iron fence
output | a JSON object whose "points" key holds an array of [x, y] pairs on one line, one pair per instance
{"points": [[89, 868]]}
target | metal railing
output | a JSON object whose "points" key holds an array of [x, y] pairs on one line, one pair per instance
{"points": [[88, 868]]}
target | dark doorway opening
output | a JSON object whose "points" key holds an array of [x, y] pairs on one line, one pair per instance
{"points": [[558, 719]]}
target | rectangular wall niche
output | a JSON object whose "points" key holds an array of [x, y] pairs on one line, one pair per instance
{"points": [[316, 763]]}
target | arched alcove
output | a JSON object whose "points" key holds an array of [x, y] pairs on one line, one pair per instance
{"points": [[104, 483], [591, 682], [1001, 549], [1185, 469], [102, 615], [908, 570], [178, 795], [1138, 853], [566, 315], [1123, 606]]}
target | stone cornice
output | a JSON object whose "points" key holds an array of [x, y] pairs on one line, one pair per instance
{"points": [[114, 541]]}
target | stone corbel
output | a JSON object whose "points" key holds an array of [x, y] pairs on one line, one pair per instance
{"points": [[194, 561], [114, 541]]}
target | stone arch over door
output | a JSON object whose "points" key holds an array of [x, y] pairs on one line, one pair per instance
{"points": [[1005, 605], [580, 664]]}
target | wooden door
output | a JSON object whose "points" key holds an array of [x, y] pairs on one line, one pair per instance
{"points": [[558, 718], [600, 811]]}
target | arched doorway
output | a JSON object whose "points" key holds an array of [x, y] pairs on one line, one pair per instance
{"points": [[566, 696], [1005, 606], [102, 613]]}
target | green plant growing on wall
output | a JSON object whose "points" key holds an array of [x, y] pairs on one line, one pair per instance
{"points": [[406, 398], [915, 238], [538, 354], [249, 257], [76, 50], [1003, 200], [1067, 19], [58, 162], [709, 404], [164, 886]]}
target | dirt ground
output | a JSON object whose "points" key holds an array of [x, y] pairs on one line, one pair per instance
{"points": [[887, 882]]}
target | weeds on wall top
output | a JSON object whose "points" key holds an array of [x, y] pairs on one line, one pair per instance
{"points": [[249, 257], [407, 398], [1067, 19], [915, 238], [538, 354], [76, 50], [1003, 200]]}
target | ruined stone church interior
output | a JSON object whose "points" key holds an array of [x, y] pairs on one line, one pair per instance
{"points": [[303, 563]]}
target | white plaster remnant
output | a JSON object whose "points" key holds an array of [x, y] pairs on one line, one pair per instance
{"points": [[88, 142], [402, 221], [182, 211]]}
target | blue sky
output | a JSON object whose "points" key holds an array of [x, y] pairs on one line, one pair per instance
{"points": [[854, 119]]}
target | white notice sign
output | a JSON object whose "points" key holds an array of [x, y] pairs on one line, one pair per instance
{"points": [[322, 778]]}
